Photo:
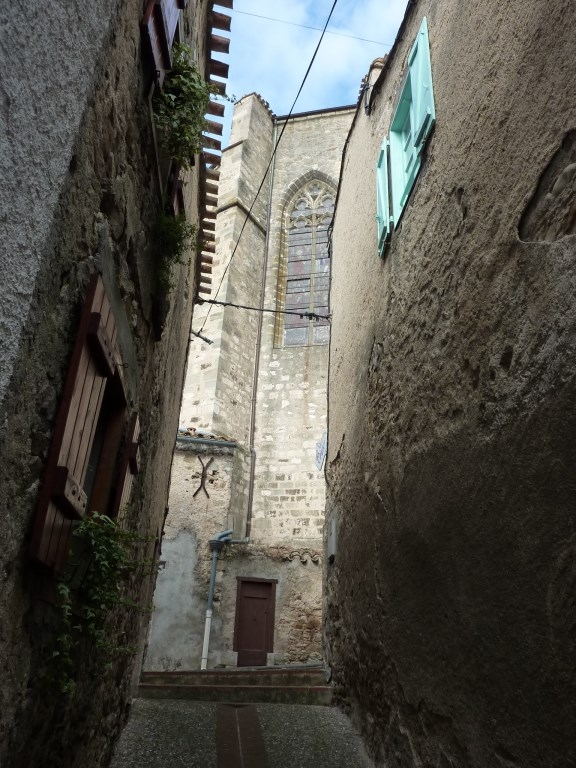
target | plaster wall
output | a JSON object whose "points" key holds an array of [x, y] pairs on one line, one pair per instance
{"points": [[49, 72], [177, 628], [451, 412], [76, 92]]}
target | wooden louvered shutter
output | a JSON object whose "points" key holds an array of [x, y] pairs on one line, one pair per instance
{"points": [[159, 27], [171, 14], [63, 497], [423, 111], [382, 204], [412, 122], [130, 465]]}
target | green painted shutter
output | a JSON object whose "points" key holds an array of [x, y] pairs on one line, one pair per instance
{"points": [[382, 205], [412, 122], [424, 113]]}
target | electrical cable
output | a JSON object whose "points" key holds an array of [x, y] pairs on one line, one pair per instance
{"points": [[306, 26], [296, 313], [247, 216]]}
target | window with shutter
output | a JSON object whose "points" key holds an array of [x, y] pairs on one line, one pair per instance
{"points": [[412, 122], [91, 422], [129, 466], [160, 31], [382, 204]]}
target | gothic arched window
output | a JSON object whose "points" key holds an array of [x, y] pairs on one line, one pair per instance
{"points": [[306, 274]]}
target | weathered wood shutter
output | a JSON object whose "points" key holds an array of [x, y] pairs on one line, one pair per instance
{"points": [[130, 465], [62, 496], [171, 14], [159, 27]]}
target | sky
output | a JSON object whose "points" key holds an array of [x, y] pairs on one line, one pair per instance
{"points": [[271, 57]]}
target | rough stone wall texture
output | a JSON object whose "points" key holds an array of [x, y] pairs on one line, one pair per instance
{"points": [[78, 195], [218, 388], [288, 499], [177, 627], [450, 610], [58, 59], [298, 609]]}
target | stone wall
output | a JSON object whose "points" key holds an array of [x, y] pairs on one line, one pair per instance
{"points": [[452, 392], [79, 188], [177, 628], [298, 609], [291, 405], [218, 388], [278, 523]]}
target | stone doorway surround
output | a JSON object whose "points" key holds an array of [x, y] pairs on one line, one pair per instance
{"points": [[254, 620]]}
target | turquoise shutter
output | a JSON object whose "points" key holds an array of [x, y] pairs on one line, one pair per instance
{"points": [[382, 205], [424, 113]]}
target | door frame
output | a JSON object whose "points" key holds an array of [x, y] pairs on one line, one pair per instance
{"points": [[271, 614]]}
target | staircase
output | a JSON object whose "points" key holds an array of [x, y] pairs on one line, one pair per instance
{"points": [[248, 685]]}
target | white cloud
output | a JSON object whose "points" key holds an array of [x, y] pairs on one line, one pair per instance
{"points": [[271, 58]]}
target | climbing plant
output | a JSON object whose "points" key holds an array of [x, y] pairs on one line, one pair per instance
{"points": [[105, 555], [180, 107], [171, 237]]}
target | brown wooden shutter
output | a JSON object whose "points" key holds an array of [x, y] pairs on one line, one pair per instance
{"points": [[171, 14], [62, 498], [130, 465], [176, 191], [159, 27]]}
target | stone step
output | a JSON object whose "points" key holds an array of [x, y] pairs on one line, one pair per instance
{"points": [[249, 685], [293, 676], [245, 694]]}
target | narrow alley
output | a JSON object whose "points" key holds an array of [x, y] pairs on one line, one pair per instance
{"points": [[288, 384], [167, 728]]}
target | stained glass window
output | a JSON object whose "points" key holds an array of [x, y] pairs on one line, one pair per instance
{"points": [[307, 265]]}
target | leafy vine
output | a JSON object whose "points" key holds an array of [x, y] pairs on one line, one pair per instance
{"points": [[171, 236], [105, 557], [181, 106]]}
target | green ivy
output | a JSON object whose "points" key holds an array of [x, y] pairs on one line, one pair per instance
{"points": [[171, 236], [180, 108], [106, 555], [62, 666]]}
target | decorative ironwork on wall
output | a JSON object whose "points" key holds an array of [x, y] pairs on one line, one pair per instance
{"points": [[203, 477]]}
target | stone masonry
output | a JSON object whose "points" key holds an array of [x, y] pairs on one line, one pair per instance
{"points": [[450, 611], [270, 401], [79, 194]]}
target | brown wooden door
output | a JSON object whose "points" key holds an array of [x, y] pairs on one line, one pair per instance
{"points": [[254, 629]]}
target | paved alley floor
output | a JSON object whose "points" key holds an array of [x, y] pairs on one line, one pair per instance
{"points": [[174, 734]]}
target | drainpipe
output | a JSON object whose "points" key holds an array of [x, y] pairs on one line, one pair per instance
{"points": [[216, 544], [251, 478]]}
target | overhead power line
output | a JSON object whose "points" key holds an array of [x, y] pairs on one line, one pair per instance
{"points": [[307, 26], [249, 213], [296, 313]]}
